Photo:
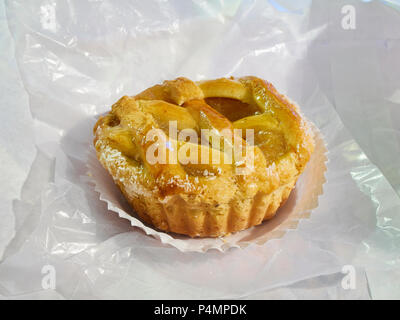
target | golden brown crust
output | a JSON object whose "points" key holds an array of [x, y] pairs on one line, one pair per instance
{"points": [[205, 199]]}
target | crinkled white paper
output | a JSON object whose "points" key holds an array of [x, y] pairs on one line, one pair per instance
{"points": [[76, 58]]}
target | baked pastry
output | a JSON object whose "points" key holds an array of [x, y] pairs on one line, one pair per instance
{"points": [[209, 194]]}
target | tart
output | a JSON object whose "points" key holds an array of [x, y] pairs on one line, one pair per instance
{"points": [[205, 158]]}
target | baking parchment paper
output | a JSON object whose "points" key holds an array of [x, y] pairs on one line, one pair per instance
{"points": [[76, 58]]}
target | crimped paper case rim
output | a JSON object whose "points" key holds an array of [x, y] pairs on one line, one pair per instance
{"points": [[287, 218]]}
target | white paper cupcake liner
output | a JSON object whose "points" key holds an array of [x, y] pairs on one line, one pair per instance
{"points": [[303, 198]]}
